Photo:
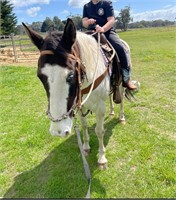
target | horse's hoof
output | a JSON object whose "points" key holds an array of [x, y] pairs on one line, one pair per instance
{"points": [[121, 121], [112, 113], [86, 152], [102, 166]]}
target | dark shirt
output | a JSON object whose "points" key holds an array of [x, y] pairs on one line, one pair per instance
{"points": [[100, 12]]}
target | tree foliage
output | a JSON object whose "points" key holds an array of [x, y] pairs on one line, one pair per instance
{"points": [[8, 18], [147, 24], [50, 25], [36, 26], [124, 18], [47, 25], [77, 19], [57, 24]]}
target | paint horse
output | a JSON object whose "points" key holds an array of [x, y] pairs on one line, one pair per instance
{"points": [[62, 71]]}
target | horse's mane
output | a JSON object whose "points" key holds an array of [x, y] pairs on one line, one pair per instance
{"points": [[87, 43], [89, 51]]}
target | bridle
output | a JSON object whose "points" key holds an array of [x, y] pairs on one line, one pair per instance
{"points": [[80, 70], [62, 117], [81, 74]]}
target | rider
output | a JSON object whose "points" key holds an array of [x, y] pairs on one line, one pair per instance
{"points": [[101, 12]]}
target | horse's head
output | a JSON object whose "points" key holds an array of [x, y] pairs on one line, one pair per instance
{"points": [[57, 72]]}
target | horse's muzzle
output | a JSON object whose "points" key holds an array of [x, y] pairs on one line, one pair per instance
{"points": [[61, 129]]}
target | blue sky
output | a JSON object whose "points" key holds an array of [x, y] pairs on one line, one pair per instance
{"points": [[29, 11]]}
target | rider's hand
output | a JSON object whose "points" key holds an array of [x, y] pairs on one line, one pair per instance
{"points": [[91, 21], [99, 29]]}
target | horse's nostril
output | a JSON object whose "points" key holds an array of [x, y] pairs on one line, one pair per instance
{"points": [[66, 132]]}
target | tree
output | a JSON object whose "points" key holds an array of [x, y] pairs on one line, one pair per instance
{"points": [[58, 25], [47, 25], [36, 26], [124, 17], [155, 23], [118, 24], [77, 19], [8, 18], [20, 30]]}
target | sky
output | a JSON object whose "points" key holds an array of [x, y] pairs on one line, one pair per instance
{"points": [[29, 11]]}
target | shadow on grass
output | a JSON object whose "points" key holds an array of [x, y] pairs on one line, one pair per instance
{"points": [[61, 173]]}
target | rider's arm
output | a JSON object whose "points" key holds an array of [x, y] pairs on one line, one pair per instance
{"points": [[86, 21], [107, 26]]}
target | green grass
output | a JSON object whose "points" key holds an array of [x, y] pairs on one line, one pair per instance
{"points": [[141, 154]]}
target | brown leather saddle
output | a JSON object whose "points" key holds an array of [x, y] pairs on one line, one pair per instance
{"points": [[108, 51]]}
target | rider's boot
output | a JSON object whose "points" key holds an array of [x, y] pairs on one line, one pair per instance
{"points": [[126, 82]]}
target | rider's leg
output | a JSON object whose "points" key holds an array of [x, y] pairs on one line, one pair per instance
{"points": [[124, 59]]}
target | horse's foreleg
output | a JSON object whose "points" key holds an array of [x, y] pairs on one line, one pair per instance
{"points": [[111, 106], [121, 114], [86, 146], [100, 114]]}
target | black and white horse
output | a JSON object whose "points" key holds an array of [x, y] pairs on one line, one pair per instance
{"points": [[58, 70]]}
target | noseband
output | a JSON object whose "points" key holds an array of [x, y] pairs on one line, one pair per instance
{"points": [[62, 117]]}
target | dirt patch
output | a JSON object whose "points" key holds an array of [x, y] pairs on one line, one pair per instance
{"points": [[27, 58]]}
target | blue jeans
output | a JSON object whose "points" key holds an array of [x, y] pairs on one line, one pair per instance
{"points": [[124, 57]]}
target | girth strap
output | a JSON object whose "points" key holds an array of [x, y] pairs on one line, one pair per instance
{"points": [[96, 83]]}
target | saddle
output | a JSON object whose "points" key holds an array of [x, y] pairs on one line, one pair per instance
{"points": [[108, 51]]}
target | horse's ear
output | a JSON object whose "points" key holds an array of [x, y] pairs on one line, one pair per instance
{"points": [[69, 35], [36, 39]]}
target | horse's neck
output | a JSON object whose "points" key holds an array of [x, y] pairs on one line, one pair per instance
{"points": [[90, 55]]}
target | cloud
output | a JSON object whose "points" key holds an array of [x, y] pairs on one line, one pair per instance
{"points": [[168, 6], [77, 3], [32, 12], [165, 14], [23, 3], [80, 3], [116, 12], [65, 12]]}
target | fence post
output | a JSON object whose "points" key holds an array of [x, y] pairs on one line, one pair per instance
{"points": [[14, 47]]}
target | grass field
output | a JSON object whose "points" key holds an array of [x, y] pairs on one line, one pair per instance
{"points": [[141, 154]]}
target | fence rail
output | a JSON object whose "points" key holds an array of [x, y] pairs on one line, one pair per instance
{"points": [[17, 49]]}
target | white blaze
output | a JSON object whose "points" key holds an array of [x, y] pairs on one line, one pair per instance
{"points": [[59, 91]]}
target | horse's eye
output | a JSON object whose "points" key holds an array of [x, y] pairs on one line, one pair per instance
{"points": [[70, 78]]}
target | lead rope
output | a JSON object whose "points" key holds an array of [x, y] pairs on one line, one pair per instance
{"points": [[94, 77], [85, 163]]}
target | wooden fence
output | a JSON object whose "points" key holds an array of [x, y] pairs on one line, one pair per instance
{"points": [[17, 49]]}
